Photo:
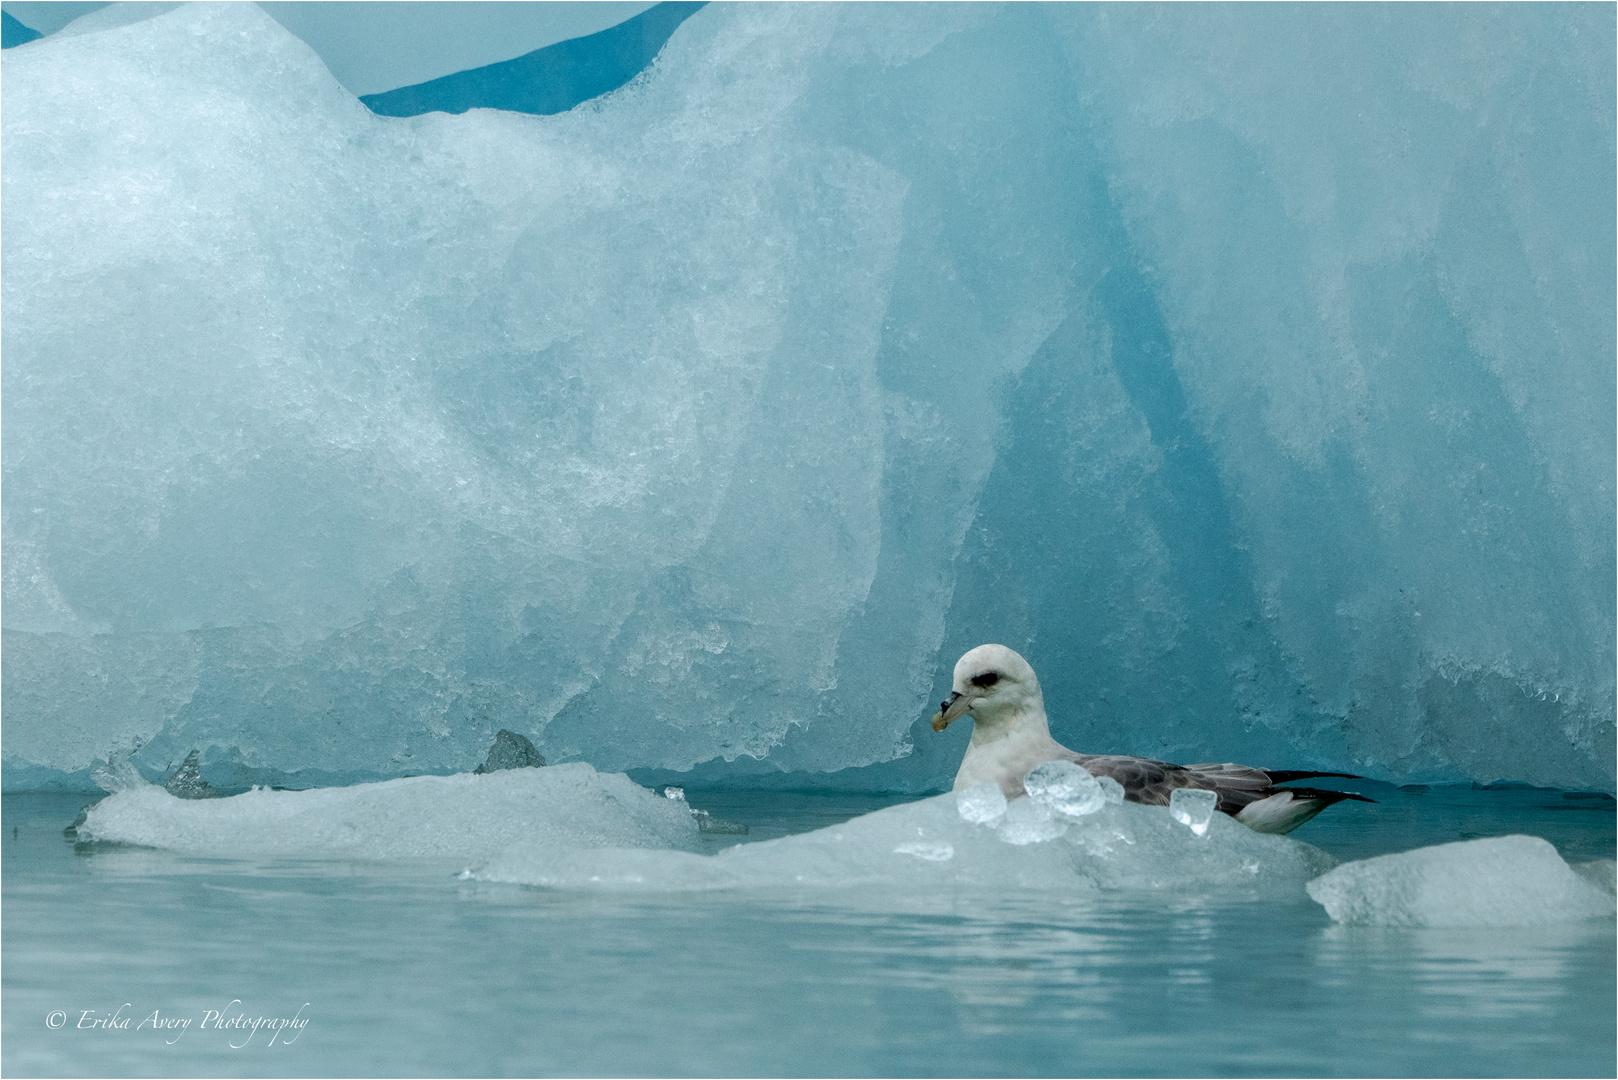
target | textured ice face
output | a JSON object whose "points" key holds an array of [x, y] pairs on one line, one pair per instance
{"points": [[1270, 402], [1503, 881]]}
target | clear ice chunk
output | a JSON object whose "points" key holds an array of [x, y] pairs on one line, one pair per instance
{"points": [[1193, 808], [1029, 821], [675, 793], [1066, 788], [981, 805], [1111, 790]]}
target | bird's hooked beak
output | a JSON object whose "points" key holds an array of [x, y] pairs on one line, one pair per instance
{"points": [[951, 709]]}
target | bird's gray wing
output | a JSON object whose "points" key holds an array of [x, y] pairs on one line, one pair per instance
{"points": [[1153, 782], [1239, 785], [1236, 785], [1143, 780]]}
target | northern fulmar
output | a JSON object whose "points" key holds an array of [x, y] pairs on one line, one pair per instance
{"points": [[1010, 736]]}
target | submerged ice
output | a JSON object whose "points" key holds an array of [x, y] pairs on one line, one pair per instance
{"points": [[1249, 368]]}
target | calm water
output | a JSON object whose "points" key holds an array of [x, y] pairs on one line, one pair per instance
{"points": [[404, 970]]}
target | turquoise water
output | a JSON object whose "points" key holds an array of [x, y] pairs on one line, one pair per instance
{"points": [[405, 970]]}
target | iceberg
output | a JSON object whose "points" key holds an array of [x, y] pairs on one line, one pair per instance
{"points": [[1265, 405], [931, 846], [1502, 881]]}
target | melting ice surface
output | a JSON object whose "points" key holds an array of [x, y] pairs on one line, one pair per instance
{"points": [[703, 426]]}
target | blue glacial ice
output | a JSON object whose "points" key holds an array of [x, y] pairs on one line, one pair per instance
{"points": [[549, 80], [14, 33], [1249, 369]]}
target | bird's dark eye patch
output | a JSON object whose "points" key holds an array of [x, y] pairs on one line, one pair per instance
{"points": [[986, 680]]}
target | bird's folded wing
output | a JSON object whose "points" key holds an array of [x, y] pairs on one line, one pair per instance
{"points": [[1143, 780]]}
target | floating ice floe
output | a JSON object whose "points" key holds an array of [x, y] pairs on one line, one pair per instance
{"points": [[465, 816], [954, 841], [1501, 881], [570, 827]]}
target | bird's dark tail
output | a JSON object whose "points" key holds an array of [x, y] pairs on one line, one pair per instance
{"points": [[1326, 797], [1285, 776]]}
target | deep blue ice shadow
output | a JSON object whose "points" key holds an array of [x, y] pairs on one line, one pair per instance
{"points": [[549, 80]]}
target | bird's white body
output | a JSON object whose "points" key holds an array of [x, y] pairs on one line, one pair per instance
{"points": [[1011, 735], [1007, 743], [1280, 813]]}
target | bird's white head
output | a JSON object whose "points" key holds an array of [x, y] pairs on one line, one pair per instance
{"points": [[995, 685]]}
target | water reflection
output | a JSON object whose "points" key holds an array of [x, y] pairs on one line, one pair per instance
{"points": [[1483, 973], [404, 962]]}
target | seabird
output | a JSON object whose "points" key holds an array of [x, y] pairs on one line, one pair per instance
{"points": [[1010, 736]]}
